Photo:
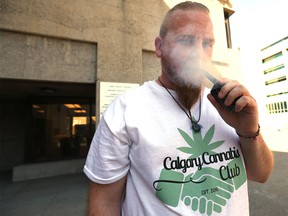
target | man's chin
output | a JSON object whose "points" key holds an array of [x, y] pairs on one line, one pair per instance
{"points": [[189, 84], [188, 81], [188, 95]]}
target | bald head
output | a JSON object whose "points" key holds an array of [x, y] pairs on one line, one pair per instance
{"points": [[184, 7]]}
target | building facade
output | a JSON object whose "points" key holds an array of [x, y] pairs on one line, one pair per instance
{"points": [[275, 72], [54, 55]]}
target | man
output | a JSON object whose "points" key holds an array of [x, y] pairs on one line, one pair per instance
{"points": [[163, 148]]}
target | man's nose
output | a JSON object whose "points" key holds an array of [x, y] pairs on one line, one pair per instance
{"points": [[199, 49]]}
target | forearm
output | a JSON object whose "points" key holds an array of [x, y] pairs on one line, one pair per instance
{"points": [[259, 159], [105, 200], [102, 208]]}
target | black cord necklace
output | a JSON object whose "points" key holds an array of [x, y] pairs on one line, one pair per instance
{"points": [[195, 126]]}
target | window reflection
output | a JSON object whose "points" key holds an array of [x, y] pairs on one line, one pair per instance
{"points": [[62, 131]]}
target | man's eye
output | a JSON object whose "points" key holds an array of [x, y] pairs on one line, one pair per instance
{"points": [[207, 44], [187, 41]]}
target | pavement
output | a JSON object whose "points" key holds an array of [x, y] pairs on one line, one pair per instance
{"points": [[271, 198], [57, 196]]}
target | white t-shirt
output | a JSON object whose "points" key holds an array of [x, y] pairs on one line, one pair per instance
{"points": [[171, 170]]}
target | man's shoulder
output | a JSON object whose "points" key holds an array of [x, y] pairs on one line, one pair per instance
{"points": [[141, 91]]}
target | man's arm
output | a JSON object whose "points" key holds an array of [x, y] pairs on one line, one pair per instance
{"points": [[259, 159], [105, 200]]}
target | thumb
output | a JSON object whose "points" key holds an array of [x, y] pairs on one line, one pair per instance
{"points": [[215, 103]]}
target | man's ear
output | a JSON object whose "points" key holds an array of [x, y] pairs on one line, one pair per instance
{"points": [[158, 46]]}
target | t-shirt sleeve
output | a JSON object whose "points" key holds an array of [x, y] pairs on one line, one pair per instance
{"points": [[108, 157]]}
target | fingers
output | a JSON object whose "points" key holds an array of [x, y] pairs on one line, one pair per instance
{"points": [[231, 91], [217, 105], [242, 102], [203, 205], [234, 93]]}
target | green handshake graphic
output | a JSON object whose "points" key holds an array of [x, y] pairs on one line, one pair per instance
{"points": [[208, 189], [205, 190]]}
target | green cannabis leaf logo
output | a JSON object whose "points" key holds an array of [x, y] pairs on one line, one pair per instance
{"points": [[199, 144]]}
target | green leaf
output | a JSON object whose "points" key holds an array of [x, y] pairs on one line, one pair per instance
{"points": [[186, 150], [187, 138], [215, 145], [197, 137], [209, 134]]}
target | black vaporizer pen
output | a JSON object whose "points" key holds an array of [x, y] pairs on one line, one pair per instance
{"points": [[216, 89]]}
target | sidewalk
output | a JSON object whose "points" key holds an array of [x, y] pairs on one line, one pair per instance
{"points": [[271, 198], [57, 196]]}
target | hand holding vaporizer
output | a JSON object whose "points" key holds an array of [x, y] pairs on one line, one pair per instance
{"points": [[216, 89]]}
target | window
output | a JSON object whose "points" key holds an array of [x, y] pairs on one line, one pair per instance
{"points": [[277, 94], [273, 69], [278, 107], [227, 14], [276, 80], [61, 130], [277, 42], [272, 57]]}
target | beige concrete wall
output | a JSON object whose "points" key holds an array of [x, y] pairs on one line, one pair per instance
{"points": [[121, 29], [33, 57]]}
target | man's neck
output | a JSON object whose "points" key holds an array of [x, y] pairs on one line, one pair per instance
{"points": [[187, 96], [166, 82]]}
